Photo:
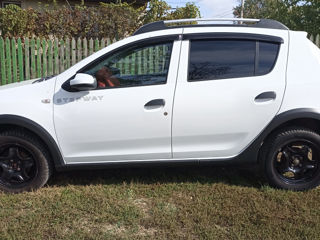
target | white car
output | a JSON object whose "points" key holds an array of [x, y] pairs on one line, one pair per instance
{"points": [[246, 92]]}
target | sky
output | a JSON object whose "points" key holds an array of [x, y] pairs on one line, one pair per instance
{"points": [[210, 8]]}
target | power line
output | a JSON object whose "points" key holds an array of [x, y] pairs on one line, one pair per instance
{"points": [[223, 13]]}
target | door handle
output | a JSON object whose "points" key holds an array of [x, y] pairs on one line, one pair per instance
{"points": [[266, 97], [154, 104]]}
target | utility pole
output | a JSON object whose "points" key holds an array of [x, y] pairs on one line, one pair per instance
{"points": [[242, 8]]}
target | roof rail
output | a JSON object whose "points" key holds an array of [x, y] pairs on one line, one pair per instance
{"points": [[236, 22], [212, 20]]}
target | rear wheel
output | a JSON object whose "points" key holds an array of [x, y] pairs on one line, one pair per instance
{"points": [[291, 159], [24, 162]]}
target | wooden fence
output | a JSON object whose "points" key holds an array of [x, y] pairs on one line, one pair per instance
{"points": [[23, 59]]}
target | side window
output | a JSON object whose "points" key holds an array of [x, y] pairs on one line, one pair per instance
{"points": [[136, 66], [268, 53], [221, 59]]}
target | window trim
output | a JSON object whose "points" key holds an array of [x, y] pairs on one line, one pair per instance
{"points": [[256, 57], [233, 36], [139, 43]]}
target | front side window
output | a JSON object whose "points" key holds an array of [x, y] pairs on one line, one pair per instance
{"points": [[221, 59], [135, 66]]}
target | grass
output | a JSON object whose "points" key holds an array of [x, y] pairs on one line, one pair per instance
{"points": [[159, 203]]}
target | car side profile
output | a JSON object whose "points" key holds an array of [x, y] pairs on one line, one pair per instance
{"points": [[173, 93]]}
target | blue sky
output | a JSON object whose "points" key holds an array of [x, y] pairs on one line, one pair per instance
{"points": [[210, 8]]}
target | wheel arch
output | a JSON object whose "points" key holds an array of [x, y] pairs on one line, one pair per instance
{"points": [[14, 121], [302, 117]]}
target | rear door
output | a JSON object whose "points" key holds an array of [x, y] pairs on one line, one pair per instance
{"points": [[230, 86]]}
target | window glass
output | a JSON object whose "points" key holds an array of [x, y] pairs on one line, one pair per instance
{"points": [[138, 66], [268, 53], [219, 59]]}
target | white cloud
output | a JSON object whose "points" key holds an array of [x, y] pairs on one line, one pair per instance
{"points": [[217, 8]]}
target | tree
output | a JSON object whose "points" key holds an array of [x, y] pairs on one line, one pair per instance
{"points": [[296, 14], [160, 10]]}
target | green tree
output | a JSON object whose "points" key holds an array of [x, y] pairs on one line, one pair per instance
{"points": [[156, 11], [160, 10], [189, 11], [296, 14]]}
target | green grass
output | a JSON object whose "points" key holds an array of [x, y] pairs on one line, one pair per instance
{"points": [[158, 203]]}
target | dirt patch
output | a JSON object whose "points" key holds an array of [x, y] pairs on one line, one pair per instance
{"points": [[144, 205], [115, 229]]}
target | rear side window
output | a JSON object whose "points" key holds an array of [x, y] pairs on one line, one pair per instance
{"points": [[268, 53], [221, 59]]}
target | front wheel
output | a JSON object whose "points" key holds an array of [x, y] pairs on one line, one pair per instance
{"points": [[24, 162], [291, 159]]}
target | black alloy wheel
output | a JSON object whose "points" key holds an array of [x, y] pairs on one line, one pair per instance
{"points": [[291, 159], [297, 161], [17, 165], [24, 162]]}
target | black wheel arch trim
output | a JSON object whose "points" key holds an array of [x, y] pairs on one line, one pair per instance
{"points": [[251, 153], [39, 131]]}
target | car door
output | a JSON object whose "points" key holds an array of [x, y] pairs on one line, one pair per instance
{"points": [[128, 116], [230, 86]]}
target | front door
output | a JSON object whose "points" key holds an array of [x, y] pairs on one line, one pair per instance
{"points": [[128, 116]]}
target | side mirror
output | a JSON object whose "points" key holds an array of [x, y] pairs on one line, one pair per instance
{"points": [[83, 82]]}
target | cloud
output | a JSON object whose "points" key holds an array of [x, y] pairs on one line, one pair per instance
{"points": [[217, 8]]}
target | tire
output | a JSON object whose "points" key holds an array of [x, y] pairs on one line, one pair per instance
{"points": [[291, 159], [24, 162]]}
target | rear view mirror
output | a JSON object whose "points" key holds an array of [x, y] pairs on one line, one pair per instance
{"points": [[83, 82]]}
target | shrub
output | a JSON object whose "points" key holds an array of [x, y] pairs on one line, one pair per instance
{"points": [[107, 20]]}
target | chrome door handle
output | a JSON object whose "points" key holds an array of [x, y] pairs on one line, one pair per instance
{"points": [[154, 104], [266, 96]]}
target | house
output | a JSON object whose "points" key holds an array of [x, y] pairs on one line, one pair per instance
{"points": [[92, 3]]}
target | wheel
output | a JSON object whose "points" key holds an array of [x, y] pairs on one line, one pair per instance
{"points": [[291, 159], [24, 162]]}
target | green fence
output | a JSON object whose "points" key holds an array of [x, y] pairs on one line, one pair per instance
{"points": [[28, 58]]}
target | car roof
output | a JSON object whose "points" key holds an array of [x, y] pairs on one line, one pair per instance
{"points": [[194, 22]]}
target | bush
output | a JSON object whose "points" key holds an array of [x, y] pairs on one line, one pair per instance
{"points": [[17, 22], [112, 20], [108, 20]]}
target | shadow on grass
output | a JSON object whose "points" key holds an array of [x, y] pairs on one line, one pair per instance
{"points": [[239, 176]]}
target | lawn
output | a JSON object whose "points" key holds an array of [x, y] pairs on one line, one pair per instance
{"points": [[160, 203]]}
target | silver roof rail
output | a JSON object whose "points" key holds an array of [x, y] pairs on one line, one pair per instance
{"points": [[212, 20]]}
